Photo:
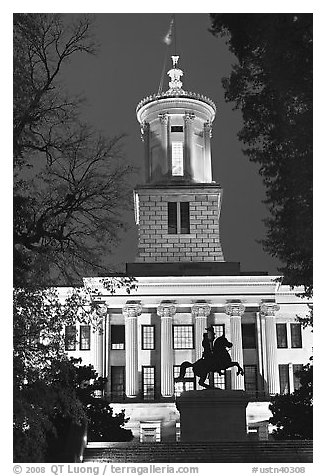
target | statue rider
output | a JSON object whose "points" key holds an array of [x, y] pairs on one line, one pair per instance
{"points": [[207, 343]]}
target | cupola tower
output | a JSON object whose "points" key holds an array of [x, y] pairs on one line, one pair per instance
{"points": [[178, 208]]}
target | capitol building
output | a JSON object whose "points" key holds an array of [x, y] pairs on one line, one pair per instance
{"points": [[184, 285]]}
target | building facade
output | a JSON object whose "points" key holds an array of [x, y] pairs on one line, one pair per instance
{"points": [[184, 285]]}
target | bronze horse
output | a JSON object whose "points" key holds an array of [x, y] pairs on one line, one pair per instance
{"points": [[216, 362]]}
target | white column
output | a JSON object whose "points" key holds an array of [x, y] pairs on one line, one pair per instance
{"points": [[207, 150], [166, 311], [188, 144], [144, 130], [235, 311], [99, 340], [267, 311], [164, 120], [131, 311], [200, 311]]}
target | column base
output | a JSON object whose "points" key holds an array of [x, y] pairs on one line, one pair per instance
{"points": [[213, 415]]}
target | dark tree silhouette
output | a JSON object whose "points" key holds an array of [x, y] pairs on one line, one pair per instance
{"points": [[293, 413], [70, 184], [272, 85], [50, 392]]}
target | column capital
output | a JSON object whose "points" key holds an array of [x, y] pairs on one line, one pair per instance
{"points": [[189, 116], [132, 309], [268, 308], [164, 118], [144, 128], [201, 309], [166, 309], [234, 309], [101, 309], [208, 128]]}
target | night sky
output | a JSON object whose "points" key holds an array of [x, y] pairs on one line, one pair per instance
{"points": [[128, 68]]}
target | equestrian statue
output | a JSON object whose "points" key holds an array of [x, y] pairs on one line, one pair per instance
{"points": [[215, 358]]}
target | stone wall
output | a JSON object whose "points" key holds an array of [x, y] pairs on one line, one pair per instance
{"points": [[155, 244]]}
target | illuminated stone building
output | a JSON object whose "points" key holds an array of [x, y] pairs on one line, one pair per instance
{"points": [[184, 285]]}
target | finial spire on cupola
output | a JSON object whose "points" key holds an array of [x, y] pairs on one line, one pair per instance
{"points": [[175, 74]]}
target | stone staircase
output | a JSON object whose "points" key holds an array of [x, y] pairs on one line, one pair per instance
{"points": [[294, 451]]}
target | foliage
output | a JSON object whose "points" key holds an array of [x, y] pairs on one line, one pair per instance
{"points": [[102, 425], [70, 184], [293, 413], [51, 392], [272, 85]]}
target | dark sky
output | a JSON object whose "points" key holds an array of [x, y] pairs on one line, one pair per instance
{"points": [[127, 69]]}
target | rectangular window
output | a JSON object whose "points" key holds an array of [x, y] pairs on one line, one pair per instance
{"points": [[70, 338], [85, 338], [296, 379], [189, 382], [219, 380], [178, 218], [172, 218], [250, 379], [148, 337], [284, 378], [176, 128], [148, 381], [117, 382], [184, 218], [248, 336], [177, 159], [117, 337], [219, 330], [296, 337], [183, 337], [281, 336]]}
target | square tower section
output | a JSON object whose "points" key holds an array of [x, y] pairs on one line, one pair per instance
{"points": [[178, 223]]}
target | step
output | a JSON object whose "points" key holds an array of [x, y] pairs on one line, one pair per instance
{"points": [[292, 451]]}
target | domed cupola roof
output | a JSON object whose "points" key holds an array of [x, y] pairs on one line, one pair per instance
{"points": [[175, 90]]}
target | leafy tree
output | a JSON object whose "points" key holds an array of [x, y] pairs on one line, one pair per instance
{"points": [[52, 393], [70, 185], [293, 413], [272, 85], [102, 425]]}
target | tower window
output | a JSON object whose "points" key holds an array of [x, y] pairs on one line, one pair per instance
{"points": [[177, 158], [184, 218], [178, 218], [176, 128]]}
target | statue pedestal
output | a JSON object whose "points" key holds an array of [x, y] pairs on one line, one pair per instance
{"points": [[213, 415]]}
